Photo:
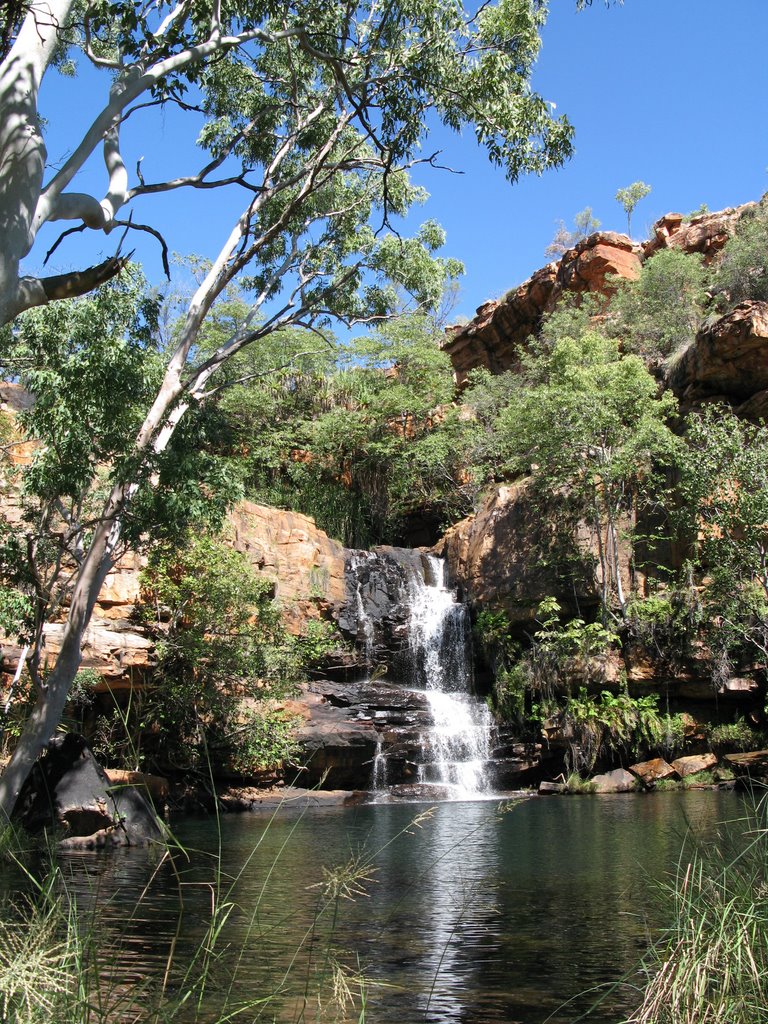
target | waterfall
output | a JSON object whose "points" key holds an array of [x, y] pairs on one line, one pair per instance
{"points": [[457, 742], [433, 734]]}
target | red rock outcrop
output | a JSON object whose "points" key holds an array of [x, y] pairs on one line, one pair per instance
{"points": [[728, 358], [306, 566], [495, 338], [501, 557], [706, 234]]}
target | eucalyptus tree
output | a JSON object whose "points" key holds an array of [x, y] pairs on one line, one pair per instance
{"points": [[316, 111]]}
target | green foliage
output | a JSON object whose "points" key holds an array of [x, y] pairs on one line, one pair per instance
{"points": [[576, 783], [660, 312], [724, 491], [666, 623], [743, 269], [588, 422], [91, 367], [262, 739], [16, 611], [629, 197], [362, 445], [223, 657], [610, 725], [700, 211], [734, 737], [573, 638]]}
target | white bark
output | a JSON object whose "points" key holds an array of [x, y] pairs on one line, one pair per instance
{"points": [[154, 436], [22, 150], [26, 201]]}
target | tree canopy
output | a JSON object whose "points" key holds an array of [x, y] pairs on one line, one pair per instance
{"points": [[316, 112]]}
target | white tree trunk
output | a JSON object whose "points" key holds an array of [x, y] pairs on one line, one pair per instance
{"points": [[22, 150]]}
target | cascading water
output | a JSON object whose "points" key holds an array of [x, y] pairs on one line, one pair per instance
{"points": [[457, 744], [433, 734]]}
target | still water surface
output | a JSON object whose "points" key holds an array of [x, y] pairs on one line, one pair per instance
{"points": [[477, 914]]}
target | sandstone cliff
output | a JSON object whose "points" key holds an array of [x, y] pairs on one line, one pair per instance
{"points": [[304, 564], [500, 330]]}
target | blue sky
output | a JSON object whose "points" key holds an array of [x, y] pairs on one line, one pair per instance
{"points": [[671, 92]]}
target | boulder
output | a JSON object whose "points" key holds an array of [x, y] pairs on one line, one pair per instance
{"points": [[728, 358], [155, 786], [552, 788], [69, 790], [338, 746], [694, 763], [653, 771], [752, 766], [617, 781]]}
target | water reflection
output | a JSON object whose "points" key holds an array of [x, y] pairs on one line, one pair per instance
{"points": [[472, 915]]}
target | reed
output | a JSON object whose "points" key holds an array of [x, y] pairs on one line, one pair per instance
{"points": [[711, 965], [56, 969]]}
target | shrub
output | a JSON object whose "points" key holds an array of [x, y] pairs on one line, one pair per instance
{"points": [[743, 270], [609, 725], [665, 623], [661, 311], [734, 736]]}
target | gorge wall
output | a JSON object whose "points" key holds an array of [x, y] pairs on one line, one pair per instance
{"points": [[497, 558]]}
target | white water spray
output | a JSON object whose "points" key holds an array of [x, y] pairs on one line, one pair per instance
{"points": [[457, 746]]}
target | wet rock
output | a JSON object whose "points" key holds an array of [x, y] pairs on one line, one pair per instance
{"points": [[618, 781], [420, 791], [69, 790], [286, 798], [380, 586], [694, 763]]}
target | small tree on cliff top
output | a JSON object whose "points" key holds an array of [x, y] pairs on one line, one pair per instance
{"points": [[316, 111], [629, 197]]}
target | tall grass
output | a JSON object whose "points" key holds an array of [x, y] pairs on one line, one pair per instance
{"points": [[57, 968], [711, 965], [57, 965]]}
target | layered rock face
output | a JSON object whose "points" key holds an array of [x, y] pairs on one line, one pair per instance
{"points": [[305, 565], [728, 360], [705, 234], [500, 558], [497, 335]]}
